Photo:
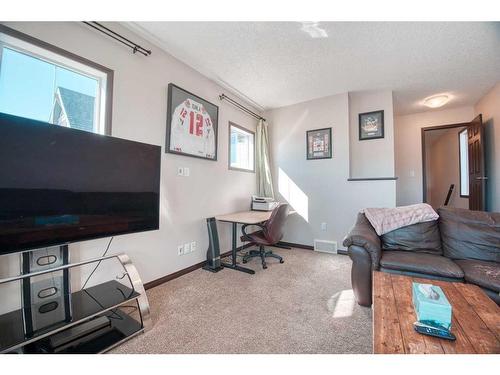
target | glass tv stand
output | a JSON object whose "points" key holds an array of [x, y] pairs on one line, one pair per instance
{"points": [[95, 319]]}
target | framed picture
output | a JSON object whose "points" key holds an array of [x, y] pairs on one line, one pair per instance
{"points": [[319, 144], [192, 124], [371, 125]]}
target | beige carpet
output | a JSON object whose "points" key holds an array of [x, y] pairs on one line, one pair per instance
{"points": [[302, 306]]}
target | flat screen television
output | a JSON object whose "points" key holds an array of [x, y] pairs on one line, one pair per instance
{"points": [[61, 185]]}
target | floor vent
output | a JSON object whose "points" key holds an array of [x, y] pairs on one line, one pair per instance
{"points": [[325, 246]]}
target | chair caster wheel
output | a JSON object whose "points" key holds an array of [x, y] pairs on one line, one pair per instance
{"points": [[282, 261], [244, 261], [264, 266]]}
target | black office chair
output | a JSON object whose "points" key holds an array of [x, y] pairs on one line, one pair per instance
{"points": [[270, 234]]}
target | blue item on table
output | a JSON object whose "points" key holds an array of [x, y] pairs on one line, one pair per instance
{"points": [[431, 305]]}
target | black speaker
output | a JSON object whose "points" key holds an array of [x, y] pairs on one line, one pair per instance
{"points": [[213, 252]]}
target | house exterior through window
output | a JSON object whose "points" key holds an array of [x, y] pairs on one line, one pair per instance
{"points": [[45, 83]]}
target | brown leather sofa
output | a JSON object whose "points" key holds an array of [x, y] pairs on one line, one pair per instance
{"points": [[461, 246]]}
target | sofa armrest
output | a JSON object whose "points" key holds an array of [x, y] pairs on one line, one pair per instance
{"points": [[363, 235]]}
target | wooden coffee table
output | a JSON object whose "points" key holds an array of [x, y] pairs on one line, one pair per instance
{"points": [[475, 319]]}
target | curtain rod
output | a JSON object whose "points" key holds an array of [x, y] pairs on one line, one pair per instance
{"points": [[241, 107], [103, 29]]}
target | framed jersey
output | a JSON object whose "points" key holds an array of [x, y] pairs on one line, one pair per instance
{"points": [[192, 124]]}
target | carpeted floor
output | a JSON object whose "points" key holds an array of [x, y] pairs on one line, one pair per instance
{"points": [[302, 306]]}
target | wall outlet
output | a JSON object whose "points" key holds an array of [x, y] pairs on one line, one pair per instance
{"points": [[187, 248], [193, 246], [180, 250], [186, 171], [180, 171], [323, 226]]}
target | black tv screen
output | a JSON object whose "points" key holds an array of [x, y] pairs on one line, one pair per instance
{"points": [[61, 185]]}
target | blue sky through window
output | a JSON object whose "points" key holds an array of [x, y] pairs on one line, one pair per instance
{"points": [[27, 85]]}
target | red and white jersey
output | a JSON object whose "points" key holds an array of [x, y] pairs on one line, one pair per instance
{"points": [[192, 130]]}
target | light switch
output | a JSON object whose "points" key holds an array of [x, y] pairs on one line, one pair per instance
{"points": [[180, 250], [187, 248], [180, 171], [186, 171], [193, 246]]}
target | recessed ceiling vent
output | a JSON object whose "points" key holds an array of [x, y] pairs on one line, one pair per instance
{"points": [[324, 246]]}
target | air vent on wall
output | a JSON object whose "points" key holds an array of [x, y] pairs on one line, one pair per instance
{"points": [[325, 246]]}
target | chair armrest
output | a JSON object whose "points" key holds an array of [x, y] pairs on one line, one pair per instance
{"points": [[363, 235], [245, 234]]}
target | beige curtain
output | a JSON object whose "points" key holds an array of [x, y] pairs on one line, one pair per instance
{"points": [[263, 167]]}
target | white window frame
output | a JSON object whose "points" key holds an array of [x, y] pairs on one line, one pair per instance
{"points": [[246, 131], [463, 162], [53, 55]]}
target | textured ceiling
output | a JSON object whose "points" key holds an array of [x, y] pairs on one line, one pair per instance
{"points": [[276, 64]]}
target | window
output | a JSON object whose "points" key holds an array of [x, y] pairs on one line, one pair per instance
{"points": [[241, 148], [44, 83], [464, 163]]}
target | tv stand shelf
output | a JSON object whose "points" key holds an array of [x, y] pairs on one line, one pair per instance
{"points": [[104, 299]]}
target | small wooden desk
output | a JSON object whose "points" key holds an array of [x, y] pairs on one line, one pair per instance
{"points": [[244, 217], [475, 319]]}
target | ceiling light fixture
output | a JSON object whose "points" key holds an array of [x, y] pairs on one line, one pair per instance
{"points": [[314, 30], [436, 101]]}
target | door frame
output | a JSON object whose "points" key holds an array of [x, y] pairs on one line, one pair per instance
{"points": [[424, 171]]}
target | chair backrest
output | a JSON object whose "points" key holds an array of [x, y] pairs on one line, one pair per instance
{"points": [[273, 229]]}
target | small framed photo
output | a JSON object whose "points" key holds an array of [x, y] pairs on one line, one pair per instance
{"points": [[319, 144], [371, 125], [191, 125]]}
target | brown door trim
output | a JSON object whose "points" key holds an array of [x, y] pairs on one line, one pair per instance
{"points": [[477, 183], [424, 171]]}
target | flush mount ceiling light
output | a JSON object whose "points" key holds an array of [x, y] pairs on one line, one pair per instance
{"points": [[436, 101], [314, 30]]}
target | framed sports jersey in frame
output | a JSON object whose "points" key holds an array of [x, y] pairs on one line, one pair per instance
{"points": [[191, 124]]}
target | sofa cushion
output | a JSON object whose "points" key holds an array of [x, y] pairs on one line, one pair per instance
{"points": [[420, 237], [485, 274], [430, 264], [467, 234]]}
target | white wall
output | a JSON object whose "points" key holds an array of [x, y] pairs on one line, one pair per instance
{"points": [[489, 107], [318, 189], [443, 169], [429, 181], [371, 158], [139, 113], [408, 148]]}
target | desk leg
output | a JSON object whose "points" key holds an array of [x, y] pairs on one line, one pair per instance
{"points": [[235, 242], [233, 265]]}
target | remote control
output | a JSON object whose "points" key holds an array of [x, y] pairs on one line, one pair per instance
{"points": [[433, 331]]}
